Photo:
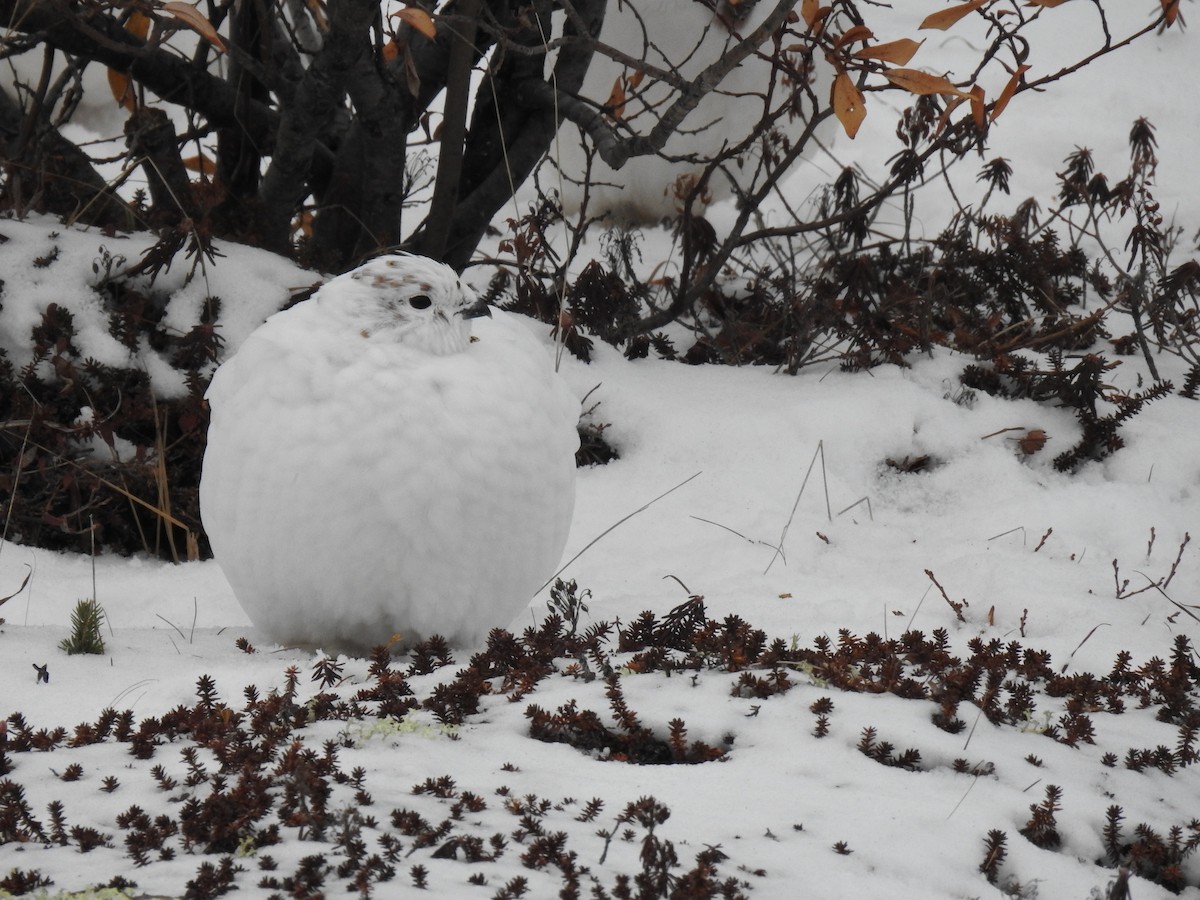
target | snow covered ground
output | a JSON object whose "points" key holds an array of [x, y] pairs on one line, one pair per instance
{"points": [[796, 814]]}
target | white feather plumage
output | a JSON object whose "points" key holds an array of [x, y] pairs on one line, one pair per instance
{"points": [[373, 468]]}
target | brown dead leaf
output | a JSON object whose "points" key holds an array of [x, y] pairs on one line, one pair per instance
{"points": [[1170, 10], [195, 20], [848, 104], [200, 163], [138, 24], [1033, 441], [24, 582], [809, 10], [1009, 91], [978, 109], [118, 82], [898, 53], [944, 119], [917, 82], [857, 33], [122, 90], [615, 104], [411, 76], [947, 17], [418, 19]]}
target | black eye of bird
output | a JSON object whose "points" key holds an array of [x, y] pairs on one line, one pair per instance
{"points": [[420, 302]]}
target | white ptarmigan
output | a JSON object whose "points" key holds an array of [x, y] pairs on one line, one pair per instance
{"points": [[374, 468]]}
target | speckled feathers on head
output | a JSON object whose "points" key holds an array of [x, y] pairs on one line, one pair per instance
{"points": [[410, 299]]}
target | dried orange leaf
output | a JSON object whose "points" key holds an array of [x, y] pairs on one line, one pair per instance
{"points": [[1010, 89], [635, 80], [615, 104], [122, 89], [944, 119], [1170, 10], [848, 104], [947, 17], [808, 9], [118, 82], [418, 19], [195, 20], [390, 50], [139, 24], [898, 53], [201, 163], [857, 33], [978, 110], [917, 82]]}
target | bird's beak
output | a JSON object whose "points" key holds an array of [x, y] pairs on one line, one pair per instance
{"points": [[478, 309]]}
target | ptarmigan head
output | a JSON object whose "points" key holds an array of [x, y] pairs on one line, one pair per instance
{"points": [[406, 299]]}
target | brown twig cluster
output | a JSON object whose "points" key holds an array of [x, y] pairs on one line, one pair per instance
{"points": [[125, 477]]}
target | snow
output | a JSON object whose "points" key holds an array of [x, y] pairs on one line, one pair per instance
{"points": [[784, 797], [251, 284]]}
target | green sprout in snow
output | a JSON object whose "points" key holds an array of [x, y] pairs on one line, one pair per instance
{"points": [[85, 637]]}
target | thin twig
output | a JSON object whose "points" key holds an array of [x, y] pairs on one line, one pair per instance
{"points": [[908, 624], [1086, 638], [870, 512], [1042, 542], [820, 451], [963, 797], [621, 521], [172, 624], [1180, 606], [12, 500], [1175, 565], [956, 605], [1020, 528], [742, 536]]}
